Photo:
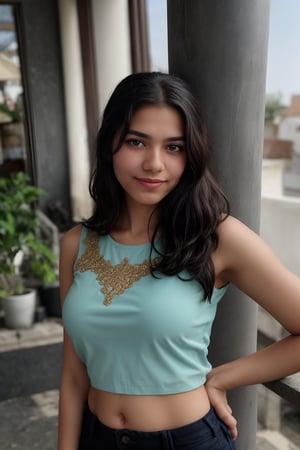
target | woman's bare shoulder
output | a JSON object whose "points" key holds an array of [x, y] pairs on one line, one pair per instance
{"points": [[237, 243], [70, 240], [230, 222], [73, 233], [232, 229]]}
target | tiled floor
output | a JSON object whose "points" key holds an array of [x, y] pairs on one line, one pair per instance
{"points": [[29, 423]]}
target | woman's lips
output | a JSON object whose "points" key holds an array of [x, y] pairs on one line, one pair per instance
{"points": [[150, 183]]}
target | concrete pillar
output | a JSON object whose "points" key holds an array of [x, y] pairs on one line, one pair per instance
{"points": [[112, 45], [220, 48], [79, 162]]}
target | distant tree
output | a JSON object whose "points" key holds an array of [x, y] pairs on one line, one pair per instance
{"points": [[273, 107]]}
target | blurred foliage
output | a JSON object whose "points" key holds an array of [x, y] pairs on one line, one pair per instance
{"points": [[273, 107], [20, 234]]}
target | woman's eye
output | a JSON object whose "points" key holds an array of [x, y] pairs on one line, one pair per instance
{"points": [[134, 142], [175, 148]]}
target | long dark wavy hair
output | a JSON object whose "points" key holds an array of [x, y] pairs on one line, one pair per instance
{"points": [[190, 213]]}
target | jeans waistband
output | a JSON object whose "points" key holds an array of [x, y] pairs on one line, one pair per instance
{"points": [[206, 427]]}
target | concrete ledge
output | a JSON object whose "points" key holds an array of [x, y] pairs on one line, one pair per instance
{"points": [[287, 388], [49, 331], [280, 217]]}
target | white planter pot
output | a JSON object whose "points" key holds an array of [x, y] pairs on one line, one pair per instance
{"points": [[19, 310]]}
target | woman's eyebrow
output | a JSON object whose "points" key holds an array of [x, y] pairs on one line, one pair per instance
{"points": [[146, 136], [175, 138], [138, 133]]}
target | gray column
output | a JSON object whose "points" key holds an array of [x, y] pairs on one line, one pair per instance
{"points": [[42, 66], [220, 48]]}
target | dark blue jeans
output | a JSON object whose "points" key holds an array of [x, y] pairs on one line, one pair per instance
{"points": [[208, 433]]}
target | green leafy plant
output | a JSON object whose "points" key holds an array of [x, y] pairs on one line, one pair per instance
{"points": [[13, 115], [23, 252], [273, 107]]}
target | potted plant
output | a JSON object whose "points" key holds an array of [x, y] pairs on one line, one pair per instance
{"points": [[48, 291], [24, 255], [45, 276]]}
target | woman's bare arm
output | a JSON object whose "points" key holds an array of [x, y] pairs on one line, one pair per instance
{"points": [[248, 263], [74, 380]]}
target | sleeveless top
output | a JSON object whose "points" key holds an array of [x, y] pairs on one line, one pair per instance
{"points": [[136, 334]]}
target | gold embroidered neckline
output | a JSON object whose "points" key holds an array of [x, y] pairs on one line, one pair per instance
{"points": [[114, 279]]}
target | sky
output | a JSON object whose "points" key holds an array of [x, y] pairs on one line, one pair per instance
{"points": [[283, 67]]}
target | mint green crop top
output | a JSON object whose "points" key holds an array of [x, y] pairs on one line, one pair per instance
{"points": [[136, 334]]}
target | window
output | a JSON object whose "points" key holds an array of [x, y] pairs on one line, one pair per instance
{"points": [[15, 151]]}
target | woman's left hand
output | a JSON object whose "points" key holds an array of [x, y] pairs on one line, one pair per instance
{"points": [[218, 400]]}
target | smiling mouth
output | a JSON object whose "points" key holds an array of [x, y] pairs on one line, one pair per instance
{"points": [[150, 182]]}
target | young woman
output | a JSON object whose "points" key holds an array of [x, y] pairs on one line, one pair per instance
{"points": [[141, 280]]}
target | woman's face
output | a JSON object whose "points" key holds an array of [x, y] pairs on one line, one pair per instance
{"points": [[152, 158]]}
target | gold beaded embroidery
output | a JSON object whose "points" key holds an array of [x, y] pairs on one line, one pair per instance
{"points": [[115, 279]]}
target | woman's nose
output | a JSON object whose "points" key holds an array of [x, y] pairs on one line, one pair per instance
{"points": [[153, 160]]}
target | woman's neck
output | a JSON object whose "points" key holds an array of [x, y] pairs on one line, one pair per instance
{"points": [[135, 228]]}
